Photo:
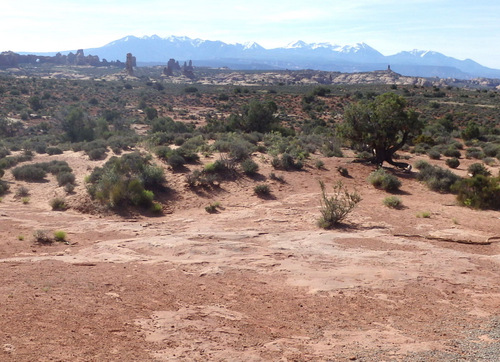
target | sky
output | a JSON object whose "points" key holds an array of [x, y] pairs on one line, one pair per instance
{"points": [[463, 29]]}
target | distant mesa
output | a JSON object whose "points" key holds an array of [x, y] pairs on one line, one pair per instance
{"points": [[11, 59]]}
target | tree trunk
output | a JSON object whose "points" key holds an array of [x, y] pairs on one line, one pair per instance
{"points": [[383, 154]]}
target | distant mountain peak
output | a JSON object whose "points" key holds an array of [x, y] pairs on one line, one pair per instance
{"points": [[296, 55], [251, 45], [296, 44]]}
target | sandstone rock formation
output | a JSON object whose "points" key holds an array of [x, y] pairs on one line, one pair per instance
{"points": [[130, 64], [187, 70], [172, 68], [11, 59]]}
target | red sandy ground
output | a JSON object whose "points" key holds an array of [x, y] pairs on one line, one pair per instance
{"points": [[258, 281]]}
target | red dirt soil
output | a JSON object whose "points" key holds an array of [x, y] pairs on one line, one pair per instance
{"points": [[258, 281]]}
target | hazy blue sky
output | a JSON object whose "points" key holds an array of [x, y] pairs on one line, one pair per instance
{"points": [[459, 28]]}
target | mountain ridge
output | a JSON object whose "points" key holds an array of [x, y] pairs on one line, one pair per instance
{"points": [[296, 55]]}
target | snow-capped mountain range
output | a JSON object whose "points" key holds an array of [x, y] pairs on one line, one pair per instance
{"points": [[297, 55]]}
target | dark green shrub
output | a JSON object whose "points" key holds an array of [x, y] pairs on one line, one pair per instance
{"points": [[452, 152], [53, 151], [421, 148], [491, 149], [29, 173], [480, 192], [138, 195], [191, 89], [436, 178], [474, 152], [471, 131], [421, 164], [262, 190], [453, 162], [434, 154], [58, 204], [126, 180], [96, 154], [4, 152], [335, 208], [286, 162], [478, 169], [176, 161], [249, 167], [151, 113], [381, 179], [4, 187], [65, 178], [41, 148], [11, 161], [69, 188], [240, 150], [55, 167]]}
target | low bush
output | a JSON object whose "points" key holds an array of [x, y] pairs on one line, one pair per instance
{"points": [[478, 169], [278, 178], [434, 154], [491, 149], [452, 162], [156, 208], [213, 207], [262, 190], [393, 202], [42, 237], [65, 178], [335, 208], [53, 151], [343, 171], [474, 152], [424, 214], [286, 162], [249, 167], [4, 187], [452, 152], [479, 192], [58, 204], [176, 161], [69, 188], [29, 173], [124, 180], [60, 236], [96, 154], [11, 161], [436, 178], [381, 179], [200, 178], [319, 164], [22, 191]]}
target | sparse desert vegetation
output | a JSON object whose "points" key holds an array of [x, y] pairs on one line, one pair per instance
{"points": [[313, 256]]}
